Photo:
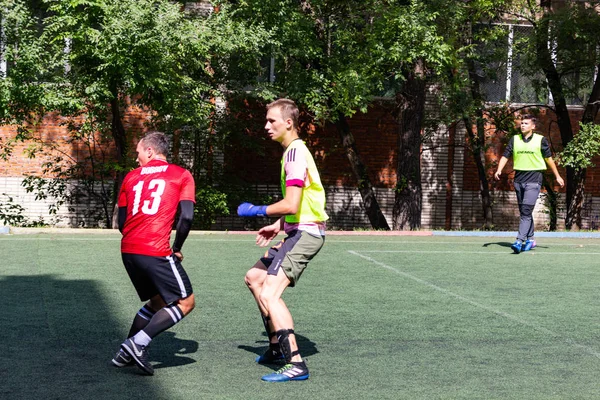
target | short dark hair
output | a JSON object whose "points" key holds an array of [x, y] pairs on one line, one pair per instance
{"points": [[158, 141], [288, 108], [529, 116]]}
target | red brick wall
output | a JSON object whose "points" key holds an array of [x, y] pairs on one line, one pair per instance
{"points": [[53, 130], [374, 133], [254, 159]]}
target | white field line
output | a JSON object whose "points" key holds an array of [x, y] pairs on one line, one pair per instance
{"points": [[503, 314], [581, 242], [477, 252]]}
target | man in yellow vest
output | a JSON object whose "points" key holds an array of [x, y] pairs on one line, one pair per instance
{"points": [[531, 154], [302, 217]]}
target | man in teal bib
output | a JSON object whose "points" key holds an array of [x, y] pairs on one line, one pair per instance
{"points": [[531, 154]]}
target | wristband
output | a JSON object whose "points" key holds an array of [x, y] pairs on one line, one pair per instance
{"points": [[250, 210]]}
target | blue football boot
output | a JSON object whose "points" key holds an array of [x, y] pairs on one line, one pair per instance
{"points": [[529, 245], [517, 246], [294, 371]]}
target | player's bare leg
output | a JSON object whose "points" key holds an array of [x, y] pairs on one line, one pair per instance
{"points": [[255, 278], [270, 297]]}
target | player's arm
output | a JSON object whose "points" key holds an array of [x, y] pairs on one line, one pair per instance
{"points": [[122, 204], [501, 165], [547, 154], [288, 206], [550, 162], [295, 175], [504, 159], [122, 218], [268, 233], [184, 225]]}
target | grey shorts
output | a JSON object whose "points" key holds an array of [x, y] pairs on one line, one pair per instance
{"points": [[292, 254]]}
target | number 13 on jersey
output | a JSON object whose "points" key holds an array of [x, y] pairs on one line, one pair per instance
{"points": [[156, 188]]}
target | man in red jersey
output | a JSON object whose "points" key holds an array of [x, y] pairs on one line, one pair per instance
{"points": [[148, 202]]}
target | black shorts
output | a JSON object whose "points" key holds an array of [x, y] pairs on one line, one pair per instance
{"points": [[157, 275]]}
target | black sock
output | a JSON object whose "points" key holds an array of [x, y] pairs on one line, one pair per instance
{"points": [[143, 316], [165, 318]]}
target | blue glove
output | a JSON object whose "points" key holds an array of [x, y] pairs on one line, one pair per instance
{"points": [[250, 210]]}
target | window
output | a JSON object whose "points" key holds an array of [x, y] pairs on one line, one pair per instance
{"points": [[509, 76], [504, 78]]}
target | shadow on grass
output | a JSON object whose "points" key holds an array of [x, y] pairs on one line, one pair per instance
{"points": [[58, 337], [501, 244], [169, 351], [508, 244]]}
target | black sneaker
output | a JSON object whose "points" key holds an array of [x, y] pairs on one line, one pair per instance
{"points": [[294, 371], [271, 356], [139, 355], [122, 359]]}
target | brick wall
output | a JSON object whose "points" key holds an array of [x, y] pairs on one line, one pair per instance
{"points": [[53, 132], [449, 178]]}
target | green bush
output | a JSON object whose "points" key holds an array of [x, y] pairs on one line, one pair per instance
{"points": [[210, 203]]}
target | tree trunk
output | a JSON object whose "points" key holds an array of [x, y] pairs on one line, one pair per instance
{"points": [[575, 197], [551, 205], [477, 144], [574, 200], [449, 174], [360, 173], [476, 147], [576, 177], [120, 138], [593, 104], [410, 103]]}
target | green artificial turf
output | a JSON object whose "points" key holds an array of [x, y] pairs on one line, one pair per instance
{"points": [[376, 318]]}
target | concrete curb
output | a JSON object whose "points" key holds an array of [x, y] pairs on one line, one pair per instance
{"points": [[575, 235], [82, 231]]}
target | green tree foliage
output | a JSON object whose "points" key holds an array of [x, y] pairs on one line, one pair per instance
{"points": [[406, 62], [580, 151], [479, 43], [11, 213], [321, 61], [563, 50], [90, 61]]}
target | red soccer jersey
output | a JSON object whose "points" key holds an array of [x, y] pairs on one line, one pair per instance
{"points": [[151, 194]]}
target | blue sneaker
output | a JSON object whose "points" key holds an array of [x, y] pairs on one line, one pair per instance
{"points": [[517, 246], [529, 245], [294, 371]]}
